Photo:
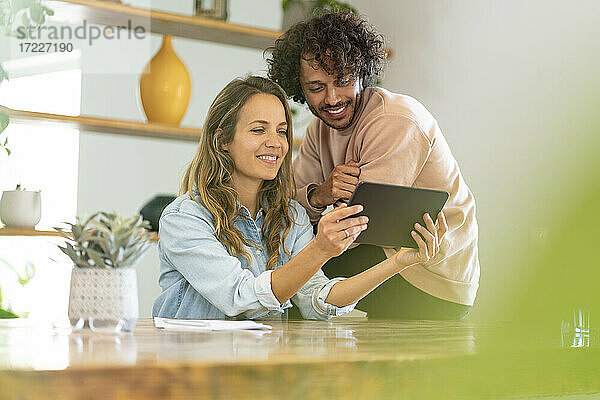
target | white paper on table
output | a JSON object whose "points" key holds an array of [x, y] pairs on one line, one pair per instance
{"points": [[207, 324]]}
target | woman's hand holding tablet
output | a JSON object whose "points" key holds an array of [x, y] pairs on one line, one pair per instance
{"points": [[339, 228], [428, 241]]}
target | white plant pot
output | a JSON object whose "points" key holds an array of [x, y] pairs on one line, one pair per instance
{"points": [[105, 299], [21, 208]]}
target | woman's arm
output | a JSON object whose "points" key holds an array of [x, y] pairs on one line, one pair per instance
{"points": [[353, 289], [189, 246], [335, 234]]}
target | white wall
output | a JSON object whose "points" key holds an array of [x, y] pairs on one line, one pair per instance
{"points": [[122, 173], [516, 90]]}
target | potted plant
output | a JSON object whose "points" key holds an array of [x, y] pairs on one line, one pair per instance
{"points": [[19, 208], [297, 10], [105, 249]]}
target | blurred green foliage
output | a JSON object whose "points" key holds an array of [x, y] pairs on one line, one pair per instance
{"points": [[22, 278], [28, 12]]}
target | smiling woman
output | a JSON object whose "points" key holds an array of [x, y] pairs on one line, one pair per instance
{"points": [[259, 148], [224, 168]]}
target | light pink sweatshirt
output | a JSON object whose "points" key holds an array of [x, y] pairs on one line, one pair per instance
{"points": [[397, 141]]}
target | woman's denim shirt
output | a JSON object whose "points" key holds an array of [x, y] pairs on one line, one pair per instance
{"points": [[200, 279]]}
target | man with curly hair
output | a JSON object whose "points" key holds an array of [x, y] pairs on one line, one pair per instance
{"points": [[366, 133]]}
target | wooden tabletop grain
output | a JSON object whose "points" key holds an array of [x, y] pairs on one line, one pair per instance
{"points": [[346, 358]]}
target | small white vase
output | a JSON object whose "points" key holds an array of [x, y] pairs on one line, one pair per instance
{"points": [[105, 299], [21, 208]]}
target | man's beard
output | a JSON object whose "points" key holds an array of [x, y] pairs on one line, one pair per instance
{"points": [[354, 103]]}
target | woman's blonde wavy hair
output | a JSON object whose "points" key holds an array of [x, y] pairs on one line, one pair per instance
{"points": [[209, 175]]}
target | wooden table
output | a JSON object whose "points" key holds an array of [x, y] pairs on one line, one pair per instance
{"points": [[344, 359]]}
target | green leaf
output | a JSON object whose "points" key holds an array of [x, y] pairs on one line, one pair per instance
{"points": [[3, 74], [18, 5], [23, 280], [90, 219], [37, 14], [117, 257], [95, 256], [49, 12], [105, 246], [25, 19], [61, 231], [4, 121], [69, 251], [5, 314], [77, 232]]}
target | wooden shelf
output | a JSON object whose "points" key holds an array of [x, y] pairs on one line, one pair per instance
{"points": [[111, 126], [10, 231], [104, 125], [191, 27]]}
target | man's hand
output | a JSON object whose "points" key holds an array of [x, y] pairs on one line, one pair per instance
{"points": [[338, 186]]}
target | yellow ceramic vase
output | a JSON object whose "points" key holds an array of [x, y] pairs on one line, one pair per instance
{"points": [[165, 86]]}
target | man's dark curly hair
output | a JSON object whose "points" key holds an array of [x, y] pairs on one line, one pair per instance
{"points": [[341, 42]]}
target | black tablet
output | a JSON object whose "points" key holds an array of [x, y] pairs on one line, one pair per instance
{"points": [[393, 211]]}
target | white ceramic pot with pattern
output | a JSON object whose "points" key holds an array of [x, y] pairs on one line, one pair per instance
{"points": [[103, 299]]}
